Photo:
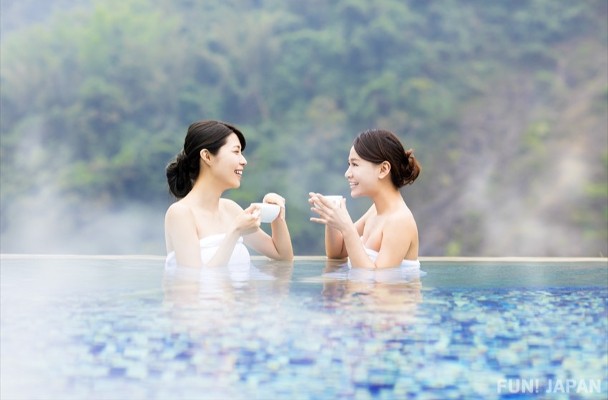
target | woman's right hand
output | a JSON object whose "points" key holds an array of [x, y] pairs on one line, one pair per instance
{"points": [[248, 221]]}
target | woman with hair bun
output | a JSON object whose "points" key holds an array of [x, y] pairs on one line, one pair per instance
{"points": [[386, 235], [201, 227]]}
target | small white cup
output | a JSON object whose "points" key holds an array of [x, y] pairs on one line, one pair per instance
{"points": [[335, 199], [268, 212]]}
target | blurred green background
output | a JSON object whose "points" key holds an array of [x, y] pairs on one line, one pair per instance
{"points": [[504, 102]]}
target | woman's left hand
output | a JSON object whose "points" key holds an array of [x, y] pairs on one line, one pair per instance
{"points": [[273, 198], [331, 214]]}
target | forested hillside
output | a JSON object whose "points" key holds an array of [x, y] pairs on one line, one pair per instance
{"points": [[505, 104]]}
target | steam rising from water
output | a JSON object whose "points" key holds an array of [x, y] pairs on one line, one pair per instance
{"points": [[54, 229], [528, 221]]}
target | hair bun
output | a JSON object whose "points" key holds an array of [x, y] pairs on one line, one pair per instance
{"points": [[412, 168], [178, 175], [181, 158]]}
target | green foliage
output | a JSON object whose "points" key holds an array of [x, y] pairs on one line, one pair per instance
{"points": [[96, 99]]}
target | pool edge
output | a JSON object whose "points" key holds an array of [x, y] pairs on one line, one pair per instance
{"points": [[13, 256]]}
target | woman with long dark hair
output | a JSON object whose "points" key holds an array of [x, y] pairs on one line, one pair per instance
{"points": [[201, 227]]}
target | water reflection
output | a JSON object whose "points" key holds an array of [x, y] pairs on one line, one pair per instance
{"points": [[390, 290], [279, 286], [188, 287]]}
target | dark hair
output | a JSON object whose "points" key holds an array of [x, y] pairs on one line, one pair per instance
{"points": [[184, 169], [377, 146]]}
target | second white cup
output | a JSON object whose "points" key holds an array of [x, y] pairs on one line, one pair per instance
{"points": [[335, 199]]}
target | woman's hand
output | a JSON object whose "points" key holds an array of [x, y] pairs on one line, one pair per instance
{"points": [[248, 221], [331, 214], [273, 198], [277, 245]]}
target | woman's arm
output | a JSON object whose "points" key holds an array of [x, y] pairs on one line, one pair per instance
{"points": [[182, 234], [394, 243], [393, 247], [278, 246], [224, 250], [397, 237], [334, 243], [281, 239], [334, 240], [337, 222], [182, 237]]}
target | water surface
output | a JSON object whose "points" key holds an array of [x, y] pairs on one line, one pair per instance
{"points": [[114, 328]]}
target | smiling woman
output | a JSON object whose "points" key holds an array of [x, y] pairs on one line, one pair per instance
{"points": [[201, 227], [386, 235]]}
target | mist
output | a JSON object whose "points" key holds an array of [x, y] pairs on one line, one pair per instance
{"points": [[56, 228], [506, 111]]}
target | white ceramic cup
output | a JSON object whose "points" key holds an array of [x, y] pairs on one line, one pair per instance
{"points": [[335, 199], [268, 212]]}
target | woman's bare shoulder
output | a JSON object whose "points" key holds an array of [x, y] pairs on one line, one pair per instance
{"points": [[177, 210], [403, 217], [230, 205]]}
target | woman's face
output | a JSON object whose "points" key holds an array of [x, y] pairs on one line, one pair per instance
{"points": [[229, 162], [362, 175]]}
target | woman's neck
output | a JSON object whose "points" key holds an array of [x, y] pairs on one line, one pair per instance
{"points": [[387, 200], [206, 194]]}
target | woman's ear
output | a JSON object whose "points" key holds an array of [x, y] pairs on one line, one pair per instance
{"points": [[385, 169], [205, 156]]}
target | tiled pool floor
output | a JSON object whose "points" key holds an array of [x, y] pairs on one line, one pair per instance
{"points": [[114, 329]]}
